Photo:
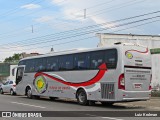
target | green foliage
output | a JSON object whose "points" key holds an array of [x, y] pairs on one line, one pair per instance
{"points": [[155, 94], [13, 59]]}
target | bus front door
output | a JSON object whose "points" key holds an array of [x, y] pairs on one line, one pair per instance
{"points": [[19, 75], [19, 81]]}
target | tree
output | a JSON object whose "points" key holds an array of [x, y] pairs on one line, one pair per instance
{"points": [[13, 59]]}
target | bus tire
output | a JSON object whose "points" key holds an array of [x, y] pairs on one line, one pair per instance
{"points": [[1, 91], [29, 93], [107, 103], [82, 97]]}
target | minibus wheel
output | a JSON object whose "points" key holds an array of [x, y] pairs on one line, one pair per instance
{"points": [[82, 97]]}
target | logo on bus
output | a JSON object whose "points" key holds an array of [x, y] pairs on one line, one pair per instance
{"points": [[40, 84], [129, 55]]}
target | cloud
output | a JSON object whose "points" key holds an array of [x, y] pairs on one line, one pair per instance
{"points": [[58, 2], [44, 19], [74, 9], [71, 14], [97, 12], [101, 21], [30, 6]]}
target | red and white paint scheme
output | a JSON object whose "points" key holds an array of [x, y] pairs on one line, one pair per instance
{"points": [[118, 73]]}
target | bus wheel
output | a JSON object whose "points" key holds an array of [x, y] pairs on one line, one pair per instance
{"points": [[1, 91], [29, 93], [82, 97], [107, 103]]}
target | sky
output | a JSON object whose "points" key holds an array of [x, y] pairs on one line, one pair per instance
{"points": [[38, 25]]}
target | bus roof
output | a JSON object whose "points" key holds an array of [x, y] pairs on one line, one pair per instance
{"points": [[72, 51]]}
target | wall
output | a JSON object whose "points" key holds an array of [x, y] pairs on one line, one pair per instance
{"points": [[4, 71], [146, 40], [155, 69]]}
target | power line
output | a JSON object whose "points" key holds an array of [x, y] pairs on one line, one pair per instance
{"points": [[116, 7], [63, 1], [75, 30], [21, 30], [136, 26], [89, 37], [75, 35], [30, 14], [88, 32], [104, 3]]}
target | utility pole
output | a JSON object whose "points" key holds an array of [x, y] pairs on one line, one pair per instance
{"points": [[84, 13], [52, 49], [32, 29]]}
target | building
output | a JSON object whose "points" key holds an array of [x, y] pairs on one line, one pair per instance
{"points": [[24, 55], [151, 41]]}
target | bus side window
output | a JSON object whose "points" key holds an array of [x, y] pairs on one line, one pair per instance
{"points": [[111, 58], [32, 66], [97, 58], [48, 63], [21, 63], [52, 64], [40, 64], [36, 65], [69, 62], [66, 62], [61, 62], [81, 61], [43, 65], [28, 65]]}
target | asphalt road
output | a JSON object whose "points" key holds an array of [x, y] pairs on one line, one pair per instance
{"points": [[71, 109]]}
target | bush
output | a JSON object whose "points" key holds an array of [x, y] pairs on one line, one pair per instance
{"points": [[155, 94]]}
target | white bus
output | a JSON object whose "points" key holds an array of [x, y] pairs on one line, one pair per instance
{"points": [[118, 73]]}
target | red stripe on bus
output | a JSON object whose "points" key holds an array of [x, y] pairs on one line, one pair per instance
{"points": [[99, 75], [137, 51]]}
